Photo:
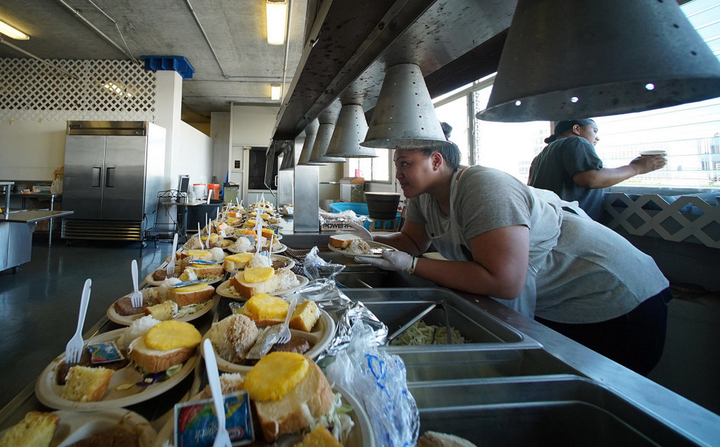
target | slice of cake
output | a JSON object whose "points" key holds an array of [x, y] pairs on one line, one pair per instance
{"points": [[87, 384], [35, 430]]}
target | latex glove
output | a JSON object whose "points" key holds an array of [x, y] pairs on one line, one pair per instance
{"points": [[394, 260], [360, 231]]}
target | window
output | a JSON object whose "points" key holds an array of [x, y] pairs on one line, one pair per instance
{"points": [[689, 133], [376, 169]]}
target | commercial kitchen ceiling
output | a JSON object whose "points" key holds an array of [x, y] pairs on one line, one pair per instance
{"points": [[240, 71]]}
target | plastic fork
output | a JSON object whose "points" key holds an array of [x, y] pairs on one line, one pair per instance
{"points": [[73, 349], [136, 299], [171, 263], [285, 334], [223, 437]]}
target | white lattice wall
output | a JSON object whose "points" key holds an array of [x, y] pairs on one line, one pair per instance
{"points": [[106, 90], [684, 219]]}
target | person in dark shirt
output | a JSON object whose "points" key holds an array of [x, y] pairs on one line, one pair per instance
{"points": [[570, 167]]}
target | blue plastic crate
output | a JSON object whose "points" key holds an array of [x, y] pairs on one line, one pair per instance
{"points": [[360, 209]]}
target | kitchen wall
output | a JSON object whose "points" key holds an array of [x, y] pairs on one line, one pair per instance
{"points": [[31, 149], [32, 135]]}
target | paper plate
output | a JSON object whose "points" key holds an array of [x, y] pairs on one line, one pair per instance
{"points": [[127, 320], [289, 263], [377, 248], [227, 291], [361, 435], [319, 339], [50, 393]]}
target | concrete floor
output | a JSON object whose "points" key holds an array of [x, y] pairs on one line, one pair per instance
{"points": [[39, 303], [39, 308]]}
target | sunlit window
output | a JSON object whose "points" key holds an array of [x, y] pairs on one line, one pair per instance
{"points": [[689, 133], [376, 169]]}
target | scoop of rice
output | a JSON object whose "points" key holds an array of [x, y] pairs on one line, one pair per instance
{"points": [[232, 337], [137, 328], [359, 246], [242, 244], [287, 279], [169, 282], [260, 261], [217, 254]]}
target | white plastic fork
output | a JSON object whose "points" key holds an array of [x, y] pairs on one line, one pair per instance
{"points": [[285, 334], [223, 437], [136, 299], [73, 349], [171, 263]]}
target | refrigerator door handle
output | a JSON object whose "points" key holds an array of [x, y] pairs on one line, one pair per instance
{"points": [[110, 177], [97, 172]]}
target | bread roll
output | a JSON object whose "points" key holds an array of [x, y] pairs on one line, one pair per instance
{"points": [[342, 240], [282, 279], [311, 398], [193, 294], [154, 360]]}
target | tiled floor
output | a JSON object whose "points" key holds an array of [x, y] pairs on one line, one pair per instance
{"points": [[39, 307], [39, 304]]}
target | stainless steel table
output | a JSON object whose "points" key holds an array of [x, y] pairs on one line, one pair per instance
{"points": [[16, 230]]}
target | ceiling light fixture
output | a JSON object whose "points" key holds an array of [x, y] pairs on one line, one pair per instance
{"points": [[275, 92], [597, 58], [12, 32], [276, 21]]}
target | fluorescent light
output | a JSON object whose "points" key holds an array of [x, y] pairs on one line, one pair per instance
{"points": [[12, 32], [276, 21], [275, 92]]}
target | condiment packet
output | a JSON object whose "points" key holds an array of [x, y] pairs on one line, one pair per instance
{"points": [[196, 423], [264, 342], [186, 283], [201, 262], [104, 353]]}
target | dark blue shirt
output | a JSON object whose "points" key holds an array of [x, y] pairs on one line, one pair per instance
{"points": [[554, 167]]}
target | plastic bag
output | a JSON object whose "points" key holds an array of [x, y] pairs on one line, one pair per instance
{"points": [[378, 380], [316, 267]]}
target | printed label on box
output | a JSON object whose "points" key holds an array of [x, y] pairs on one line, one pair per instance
{"points": [[335, 227]]}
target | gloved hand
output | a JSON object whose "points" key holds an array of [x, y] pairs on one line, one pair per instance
{"points": [[394, 260], [361, 232]]}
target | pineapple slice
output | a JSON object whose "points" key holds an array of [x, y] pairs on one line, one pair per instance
{"points": [[275, 375], [258, 274], [170, 335], [266, 307], [198, 254], [240, 257], [191, 288]]}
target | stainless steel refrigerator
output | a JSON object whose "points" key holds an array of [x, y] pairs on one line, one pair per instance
{"points": [[113, 172]]}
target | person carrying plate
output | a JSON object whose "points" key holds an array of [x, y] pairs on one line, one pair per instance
{"points": [[570, 167], [524, 248]]}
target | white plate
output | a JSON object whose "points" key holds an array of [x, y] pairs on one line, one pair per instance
{"points": [[361, 435], [128, 319], [319, 338], [372, 244], [290, 263], [50, 393], [227, 291], [653, 152], [149, 279], [75, 426], [282, 248]]}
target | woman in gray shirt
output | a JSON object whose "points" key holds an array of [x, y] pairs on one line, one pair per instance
{"points": [[518, 245]]}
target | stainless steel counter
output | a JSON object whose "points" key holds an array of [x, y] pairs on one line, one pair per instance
{"points": [[515, 383]]}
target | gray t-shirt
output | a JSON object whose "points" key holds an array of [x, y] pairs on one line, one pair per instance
{"points": [[586, 273], [554, 167]]}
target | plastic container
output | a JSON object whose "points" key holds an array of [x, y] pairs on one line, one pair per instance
{"points": [[215, 188], [199, 189], [361, 209], [382, 205]]}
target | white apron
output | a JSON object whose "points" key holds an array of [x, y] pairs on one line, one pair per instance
{"points": [[450, 243]]}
